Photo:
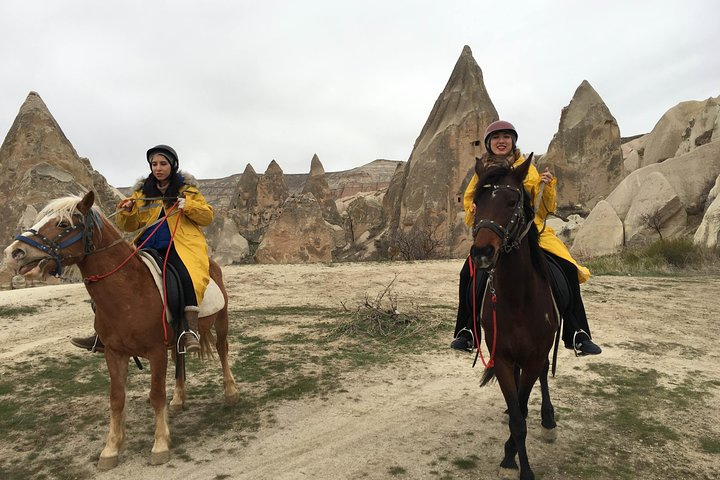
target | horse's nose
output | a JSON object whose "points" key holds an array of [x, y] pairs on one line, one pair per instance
{"points": [[482, 256]]}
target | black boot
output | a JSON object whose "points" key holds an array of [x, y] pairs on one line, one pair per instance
{"points": [[92, 343], [190, 338]]}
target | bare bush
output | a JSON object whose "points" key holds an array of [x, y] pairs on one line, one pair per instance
{"points": [[420, 243], [381, 317], [653, 221]]}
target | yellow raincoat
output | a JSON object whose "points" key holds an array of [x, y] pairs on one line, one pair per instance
{"points": [[548, 240], [189, 240]]}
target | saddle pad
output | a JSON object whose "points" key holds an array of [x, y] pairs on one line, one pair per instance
{"points": [[213, 301]]}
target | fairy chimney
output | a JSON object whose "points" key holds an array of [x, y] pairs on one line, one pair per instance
{"points": [[317, 184], [442, 159], [298, 235], [38, 163], [585, 152]]}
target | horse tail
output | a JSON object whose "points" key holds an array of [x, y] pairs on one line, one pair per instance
{"points": [[488, 376], [207, 345]]}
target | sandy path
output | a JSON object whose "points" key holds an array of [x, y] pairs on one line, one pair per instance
{"points": [[408, 414]]}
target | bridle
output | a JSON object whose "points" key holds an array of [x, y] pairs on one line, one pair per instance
{"points": [[53, 246], [512, 234]]}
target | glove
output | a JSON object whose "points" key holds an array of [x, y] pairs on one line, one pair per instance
{"points": [[181, 203]]}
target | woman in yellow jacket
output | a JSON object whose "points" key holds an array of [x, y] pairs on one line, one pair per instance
{"points": [[187, 251], [500, 145]]}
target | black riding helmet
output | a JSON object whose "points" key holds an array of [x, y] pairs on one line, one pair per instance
{"points": [[166, 151]]}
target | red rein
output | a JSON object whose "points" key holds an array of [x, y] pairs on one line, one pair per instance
{"points": [[493, 299], [95, 278]]}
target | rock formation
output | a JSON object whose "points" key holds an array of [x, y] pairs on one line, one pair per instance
{"points": [[298, 235], [668, 198], [602, 233], [317, 185], [227, 246], [257, 201], [38, 163], [708, 233], [585, 152], [441, 160], [681, 129]]}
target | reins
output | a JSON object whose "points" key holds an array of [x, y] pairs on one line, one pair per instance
{"points": [[493, 299]]}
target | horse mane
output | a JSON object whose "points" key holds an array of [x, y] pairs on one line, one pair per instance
{"points": [[492, 175], [65, 207]]}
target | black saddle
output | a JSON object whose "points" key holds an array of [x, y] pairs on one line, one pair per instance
{"points": [[173, 287]]}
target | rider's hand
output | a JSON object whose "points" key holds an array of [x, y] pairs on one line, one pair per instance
{"points": [[127, 204], [181, 203], [546, 177]]}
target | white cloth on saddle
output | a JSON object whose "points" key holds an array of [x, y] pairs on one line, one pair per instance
{"points": [[213, 301]]}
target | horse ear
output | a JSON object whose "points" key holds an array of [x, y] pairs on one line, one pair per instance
{"points": [[479, 166], [87, 202], [521, 171]]}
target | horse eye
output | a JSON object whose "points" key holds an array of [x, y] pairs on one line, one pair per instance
{"points": [[63, 224]]}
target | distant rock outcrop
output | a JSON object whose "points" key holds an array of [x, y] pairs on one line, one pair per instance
{"points": [[298, 235], [317, 185], [681, 129], [708, 233], [442, 159], [257, 200], [666, 198], [585, 152], [38, 163]]}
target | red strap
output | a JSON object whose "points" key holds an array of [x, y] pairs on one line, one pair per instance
{"points": [[491, 361]]}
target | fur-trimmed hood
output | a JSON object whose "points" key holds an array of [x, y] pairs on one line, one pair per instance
{"points": [[488, 159], [188, 180]]}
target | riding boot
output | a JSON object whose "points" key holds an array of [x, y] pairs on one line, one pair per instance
{"points": [[190, 337], [92, 343]]}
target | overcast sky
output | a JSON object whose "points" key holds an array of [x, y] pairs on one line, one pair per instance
{"points": [[228, 83]]}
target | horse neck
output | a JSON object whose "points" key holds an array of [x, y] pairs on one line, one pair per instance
{"points": [[107, 256], [515, 272]]}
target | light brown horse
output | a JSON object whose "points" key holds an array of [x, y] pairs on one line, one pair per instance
{"points": [[128, 317], [519, 316]]}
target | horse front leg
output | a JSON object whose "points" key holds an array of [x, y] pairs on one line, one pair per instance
{"points": [[118, 369], [518, 426], [547, 411], [158, 367]]}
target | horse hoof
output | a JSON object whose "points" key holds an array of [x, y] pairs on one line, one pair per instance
{"points": [[176, 407], [549, 435], [158, 458], [232, 399], [508, 474], [107, 463]]}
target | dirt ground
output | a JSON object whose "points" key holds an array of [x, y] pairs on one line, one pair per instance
{"points": [[412, 418]]}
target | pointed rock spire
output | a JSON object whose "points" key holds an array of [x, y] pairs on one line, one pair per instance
{"points": [[317, 184], [585, 152], [38, 164], [245, 194], [442, 158], [272, 189]]}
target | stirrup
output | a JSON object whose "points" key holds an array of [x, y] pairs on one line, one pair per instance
{"points": [[472, 337], [575, 349], [184, 349]]}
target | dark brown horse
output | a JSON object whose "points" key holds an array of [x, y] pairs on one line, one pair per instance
{"points": [[128, 317], [517, 313]]}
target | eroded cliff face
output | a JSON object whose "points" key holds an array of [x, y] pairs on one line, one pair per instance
{"points": [[431, 183], [585, 152]]}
